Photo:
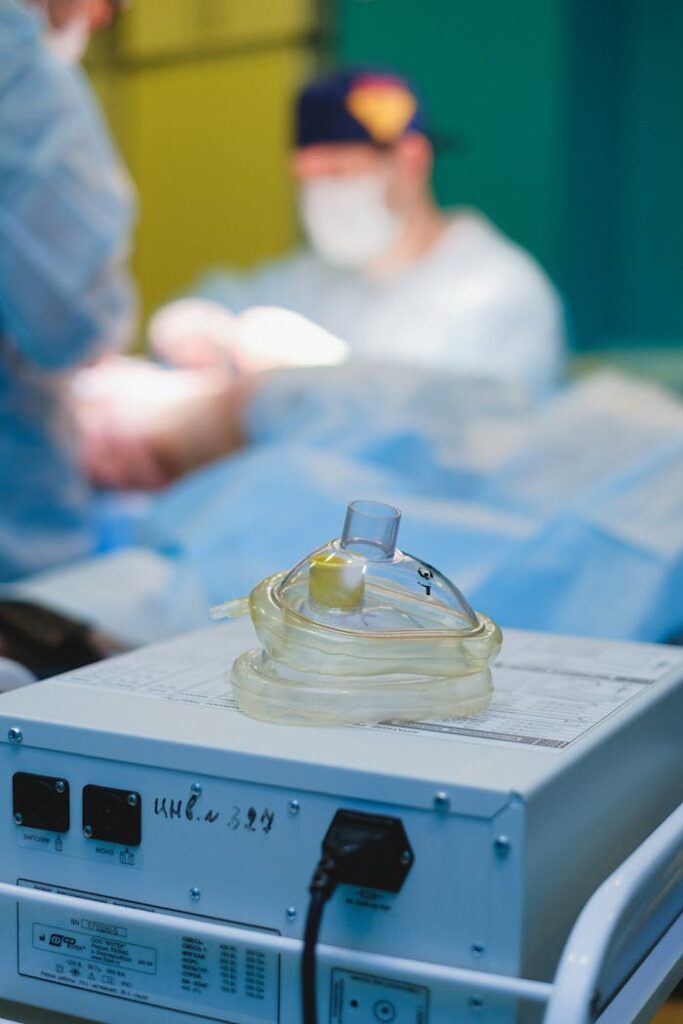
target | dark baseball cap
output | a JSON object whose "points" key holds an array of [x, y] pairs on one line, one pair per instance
{"points": [[358, 106]]}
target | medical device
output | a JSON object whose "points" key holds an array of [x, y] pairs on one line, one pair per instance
{"points": [[358, 631], [159, 849]]}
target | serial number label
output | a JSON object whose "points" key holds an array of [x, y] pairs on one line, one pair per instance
{"points": [[183, 972], [100, 951]]}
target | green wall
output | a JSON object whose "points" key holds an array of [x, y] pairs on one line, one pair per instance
{"points": [[568, 114], [650, 216]]}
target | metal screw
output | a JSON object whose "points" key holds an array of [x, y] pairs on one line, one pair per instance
{"points": [[477, 949], [196, 788], [442, 801], [406, 857], [87, 831], [132, 800], [195, 893], [60, 785], [290, 913], [502, 845], [293, 807], [475, 1002], [19, 818], [15, 735]]}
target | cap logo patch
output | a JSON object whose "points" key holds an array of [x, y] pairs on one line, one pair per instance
{"points": [[383, 106]]}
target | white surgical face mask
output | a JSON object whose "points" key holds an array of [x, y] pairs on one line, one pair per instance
{"points": [[70, 42], [347, 220]]}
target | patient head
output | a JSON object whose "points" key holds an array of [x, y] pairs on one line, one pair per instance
{"points": [[363, 163]]}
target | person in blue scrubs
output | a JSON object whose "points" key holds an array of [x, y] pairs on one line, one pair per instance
{"points": [[66, 214]]}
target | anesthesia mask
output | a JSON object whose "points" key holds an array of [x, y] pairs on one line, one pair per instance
{"points": [[358, 631]]}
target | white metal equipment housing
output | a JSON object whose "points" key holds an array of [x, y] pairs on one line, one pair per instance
{"points": [[514, 819]]}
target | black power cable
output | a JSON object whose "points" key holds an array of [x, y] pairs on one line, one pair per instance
{"points": [[367, 850], [322, 887], [308, 975]]}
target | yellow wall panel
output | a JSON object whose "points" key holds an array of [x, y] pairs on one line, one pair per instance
{"points": [[207, 142], [156, 28]]}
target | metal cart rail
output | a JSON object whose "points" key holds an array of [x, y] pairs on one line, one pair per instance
{"points": [[622, 959]]}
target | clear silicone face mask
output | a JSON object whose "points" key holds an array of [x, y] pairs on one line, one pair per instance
{"points": [[359, 631], [347, 220]]}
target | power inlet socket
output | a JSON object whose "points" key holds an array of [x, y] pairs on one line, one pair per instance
{"points": [[371, 850]]}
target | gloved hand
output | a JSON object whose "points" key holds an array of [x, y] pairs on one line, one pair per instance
{"points": [[142, 426], [194, 333]]}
